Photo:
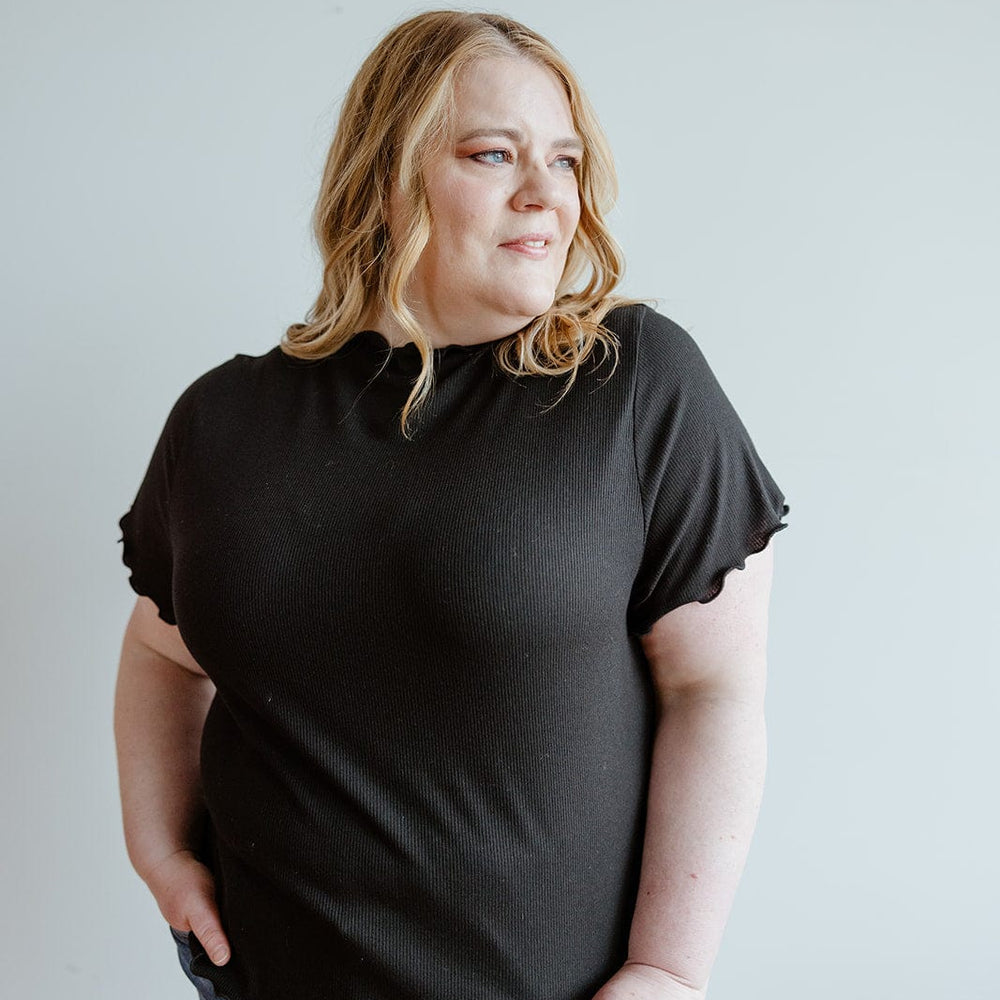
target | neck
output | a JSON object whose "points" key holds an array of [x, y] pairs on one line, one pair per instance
{"points": [[439, 333]]}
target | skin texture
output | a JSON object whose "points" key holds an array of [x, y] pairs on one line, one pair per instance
{"points": [[485, 191], [707, 662], [161, 700]]}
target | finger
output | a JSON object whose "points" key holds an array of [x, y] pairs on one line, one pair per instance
{"points": [[208, 929]]}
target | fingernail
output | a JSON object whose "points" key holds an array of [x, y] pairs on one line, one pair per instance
{"points": [[221, 957]]}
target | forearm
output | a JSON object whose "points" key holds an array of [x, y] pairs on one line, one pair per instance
{"points": [[160, 710], [709, 759]]}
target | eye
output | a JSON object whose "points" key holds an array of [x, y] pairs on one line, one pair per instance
{"points": [[491, 156], [568, 162]]}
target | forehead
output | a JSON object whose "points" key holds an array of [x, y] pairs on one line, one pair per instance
{"points": [[510, 92]]}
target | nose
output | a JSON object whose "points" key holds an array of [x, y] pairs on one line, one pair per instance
{"points": [[537, 188]]}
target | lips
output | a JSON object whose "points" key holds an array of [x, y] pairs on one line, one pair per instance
{"points": [[534, 246], [536, 241]]}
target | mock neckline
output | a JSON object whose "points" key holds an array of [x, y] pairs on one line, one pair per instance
{"points": [[410, 349]]}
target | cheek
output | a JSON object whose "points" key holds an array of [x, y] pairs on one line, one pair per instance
{"points": [[466, 211], [573, 211]]}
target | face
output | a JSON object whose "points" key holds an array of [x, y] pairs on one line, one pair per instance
{"points": [[504, 204]]}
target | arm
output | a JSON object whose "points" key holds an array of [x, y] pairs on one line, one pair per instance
{"points": [[708, 663], [161, 700]]}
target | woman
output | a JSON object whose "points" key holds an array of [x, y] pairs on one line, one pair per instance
{"points": [[433, 688]]}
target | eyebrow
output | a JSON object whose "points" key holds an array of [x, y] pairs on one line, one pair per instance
{"points": [[515, 135]]}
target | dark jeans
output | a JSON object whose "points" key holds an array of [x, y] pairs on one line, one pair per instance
{"points": [[206, 991]]}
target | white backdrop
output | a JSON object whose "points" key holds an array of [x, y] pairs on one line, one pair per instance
{"points": [[811, 190]]}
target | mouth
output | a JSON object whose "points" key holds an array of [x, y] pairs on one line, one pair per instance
{"points": [[532, 245], [531, 240]]}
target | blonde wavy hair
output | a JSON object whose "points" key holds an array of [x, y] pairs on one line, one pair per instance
{"points": [[396, 114]]}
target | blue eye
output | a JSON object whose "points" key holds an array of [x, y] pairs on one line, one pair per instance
{"points": [[502, 156], [495, 157]]}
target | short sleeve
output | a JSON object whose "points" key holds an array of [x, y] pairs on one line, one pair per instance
{"points": [[147, 526], [708, 500]]}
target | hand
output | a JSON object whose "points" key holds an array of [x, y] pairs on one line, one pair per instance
{"points": [[635, 981], [184, 890]]}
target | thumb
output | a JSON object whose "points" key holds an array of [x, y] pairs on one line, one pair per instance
{"points": [[205, 924]]}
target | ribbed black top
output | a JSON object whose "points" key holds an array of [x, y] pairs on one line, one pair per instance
{"points": [[425, 766]]}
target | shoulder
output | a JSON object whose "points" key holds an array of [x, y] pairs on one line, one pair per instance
{"points": [[219, 391], [235, 374], [640, 324], [675, 391], [661, 350], [231, 380]]}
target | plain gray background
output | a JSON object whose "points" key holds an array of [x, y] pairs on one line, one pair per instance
{"points": [[811, 190]]}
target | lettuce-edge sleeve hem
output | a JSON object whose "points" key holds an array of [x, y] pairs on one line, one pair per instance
{"points": [[142, 585], [147, 526], [644, 625]]}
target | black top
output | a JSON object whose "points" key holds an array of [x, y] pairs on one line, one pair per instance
{"points": [[425, 767]]}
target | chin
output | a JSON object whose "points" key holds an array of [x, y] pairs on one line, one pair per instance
{"points": [[528, 302]]}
